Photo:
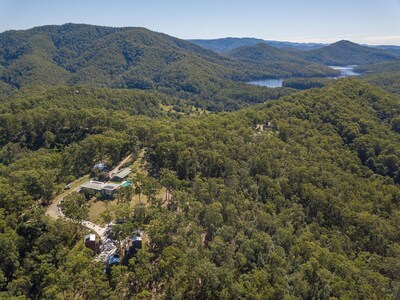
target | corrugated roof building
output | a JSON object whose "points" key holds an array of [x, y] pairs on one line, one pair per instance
{"points": [[121, 174], [107, 189]]}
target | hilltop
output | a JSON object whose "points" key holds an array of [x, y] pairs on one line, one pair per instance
{"points": [[106, 57], [226, 44], [347, 53]]}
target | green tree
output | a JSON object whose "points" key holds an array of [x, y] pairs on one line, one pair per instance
{"points": [[125, 194], [150, 188], [169, 181], [74, 207]]}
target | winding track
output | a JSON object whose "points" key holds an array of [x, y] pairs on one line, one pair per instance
{"points": [[54, 211]]}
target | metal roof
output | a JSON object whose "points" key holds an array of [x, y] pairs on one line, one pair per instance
{"points": [[122, 173], [90, 237], [94, 185], [98, 185], [110, 186]]}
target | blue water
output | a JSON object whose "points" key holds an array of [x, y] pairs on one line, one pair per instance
{"points": [[126, 183], [272, 83], [345, 71], [275, 83]]}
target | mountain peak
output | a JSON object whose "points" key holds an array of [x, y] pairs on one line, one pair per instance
{"points": [[344, 52], [345, 43]]}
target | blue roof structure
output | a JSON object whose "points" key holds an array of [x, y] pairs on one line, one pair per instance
{"points": [[114, 259], [100, 166]]}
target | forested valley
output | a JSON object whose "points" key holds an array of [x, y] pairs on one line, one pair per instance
{"points": [[247, 192]]}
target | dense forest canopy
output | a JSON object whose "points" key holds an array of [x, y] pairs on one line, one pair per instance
{"points": [[286, 64], [244, 192], [304, 206], [383, 67], [120, 58]]}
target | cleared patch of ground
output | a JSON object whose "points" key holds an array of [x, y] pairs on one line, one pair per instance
{"points": [[97, 207]]}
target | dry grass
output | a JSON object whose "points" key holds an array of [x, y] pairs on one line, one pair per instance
{"points": [[97, 207]]}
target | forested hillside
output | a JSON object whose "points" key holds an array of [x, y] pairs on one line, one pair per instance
{"points": [[383, 67], [231, 96], [127, 57], [339, 53], [104, 56], [298, 209], [390, 48], [280, 62], [344, 53], [389, 81], [295, 198]]}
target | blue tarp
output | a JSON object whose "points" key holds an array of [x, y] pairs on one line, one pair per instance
{"points": [[114, 260]]}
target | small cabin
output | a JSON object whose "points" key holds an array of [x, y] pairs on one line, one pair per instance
{"points": [[90, 242], [135, 244]]}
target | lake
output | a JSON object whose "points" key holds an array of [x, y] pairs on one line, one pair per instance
{"points": [[275, 83], [272, 83], [345, 71]]}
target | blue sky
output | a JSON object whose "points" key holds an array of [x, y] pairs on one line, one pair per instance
{"points": [[362, 21]]}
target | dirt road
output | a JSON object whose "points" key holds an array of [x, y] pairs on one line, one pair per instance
{"points": [[53, 210], [124, 161], [108, 247]]}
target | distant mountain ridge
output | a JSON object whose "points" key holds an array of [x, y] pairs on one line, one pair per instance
{"points": [[138, 58], [262, 52], [223, 45], [389, 48], [126, 57], [263, 56], [340, 53], [347, 53], [129, 57]]}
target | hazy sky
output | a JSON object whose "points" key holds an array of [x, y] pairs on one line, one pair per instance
{"points": [[362, 21]]}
